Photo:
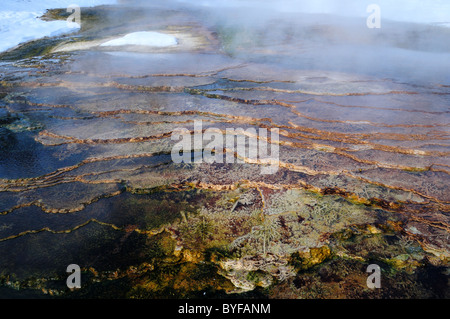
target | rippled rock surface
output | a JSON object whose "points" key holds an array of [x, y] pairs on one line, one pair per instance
{"points": [[87, 178]]}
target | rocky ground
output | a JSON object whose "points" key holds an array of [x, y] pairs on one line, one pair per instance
{"points": [[87, 176]]}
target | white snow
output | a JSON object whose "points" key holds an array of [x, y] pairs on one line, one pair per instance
{"points": [[19, 20], [21, 26], [146, 38]]}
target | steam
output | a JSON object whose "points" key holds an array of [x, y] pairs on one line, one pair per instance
{"points": [[413, 43], [433, 11]]}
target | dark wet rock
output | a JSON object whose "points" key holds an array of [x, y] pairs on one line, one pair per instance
{"points": [[7, 138], [6, 117]]}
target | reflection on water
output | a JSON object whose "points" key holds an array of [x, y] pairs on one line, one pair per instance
{"points": [[23, 157], [87, 176]]}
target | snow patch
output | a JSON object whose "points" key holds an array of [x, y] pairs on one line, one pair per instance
{"points": [[19, 20], [145, 38], [22, 26]]}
